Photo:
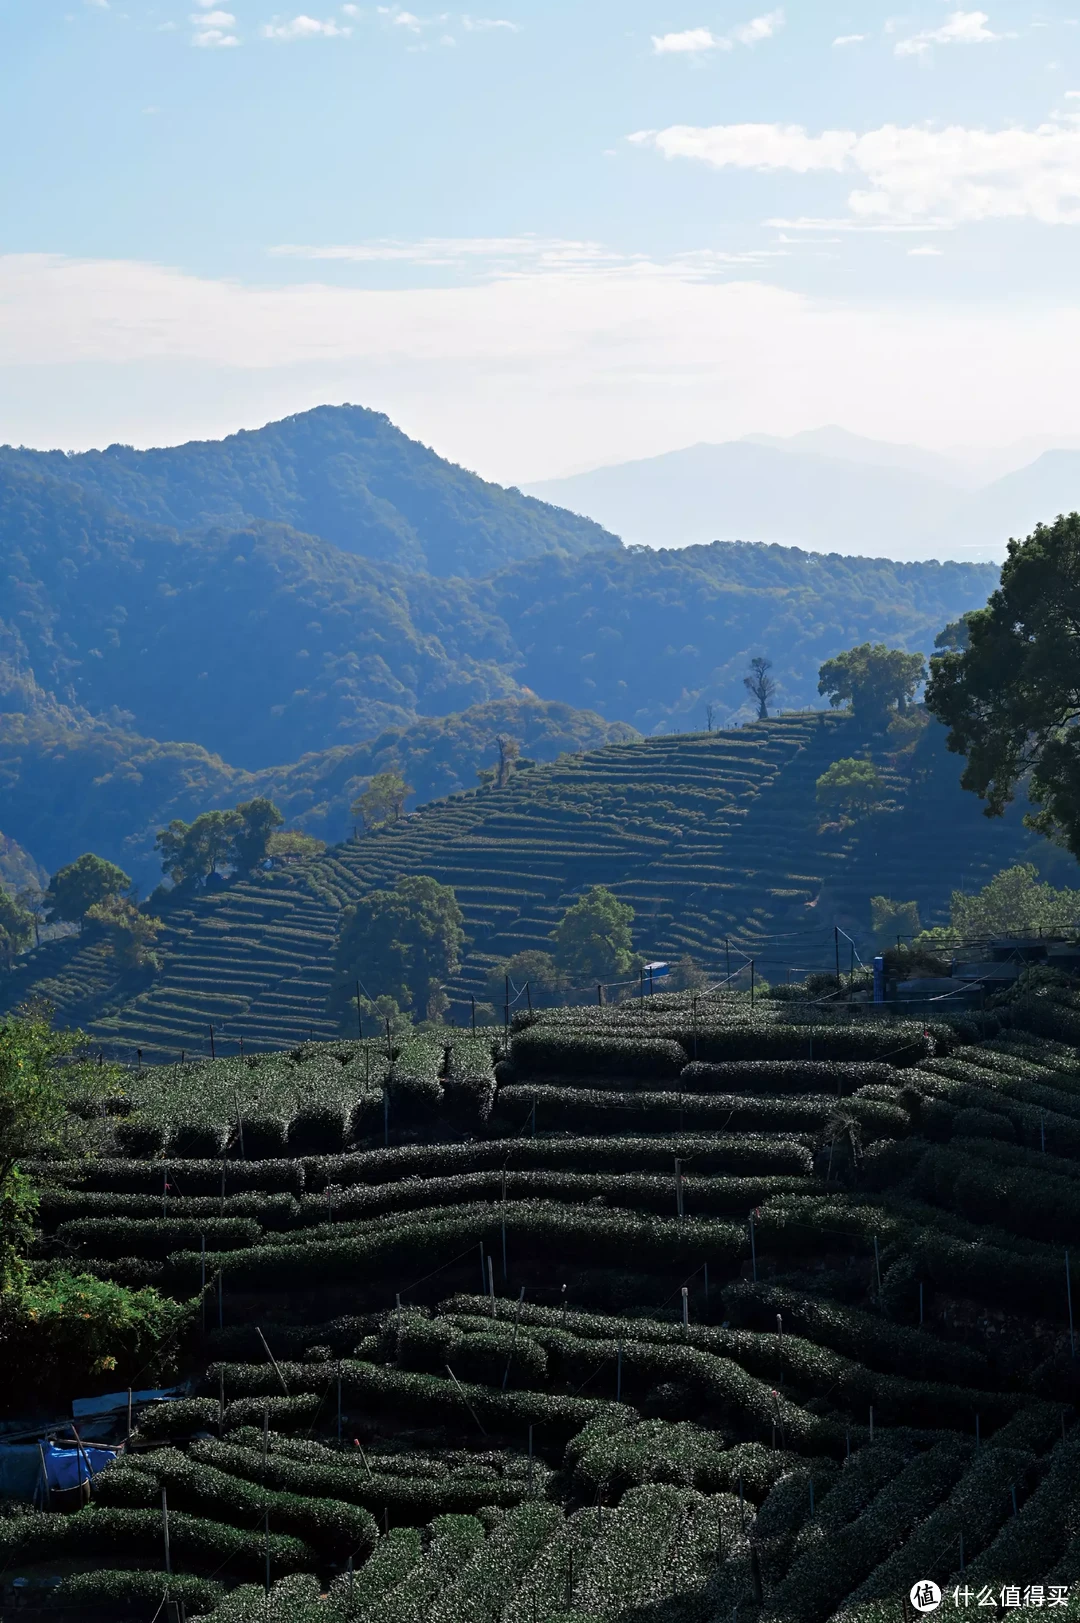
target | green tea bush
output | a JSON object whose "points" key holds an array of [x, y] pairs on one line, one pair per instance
{"points": [[196, 1141], [1026, 1201], [319, 1130], [594, 1109], [819, 1579], [483, 1355], [266, 1138], [745, 1153], [835, 1077], [156, 1236], [136, 1535], [540, 1051], [119, 1592], [396, 1555], [1028, 1546], [139, 1138], [897, 1043], [490, 1581], [617, 1453], [194, 1178], [333, 1528], [180, 1418]]}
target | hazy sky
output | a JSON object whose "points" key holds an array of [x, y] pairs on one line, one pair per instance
{"points": [[541, 236]]}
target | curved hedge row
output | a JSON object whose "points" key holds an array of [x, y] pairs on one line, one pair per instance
{"points": [[584, 1109], [839, 1078], [543, 1051], [137, 1535]]}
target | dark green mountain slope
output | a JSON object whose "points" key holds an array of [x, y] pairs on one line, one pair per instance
{"points": [[651, 636], [712, 838], [340, 472], [261, 644], [256, 643], [68, 789]]}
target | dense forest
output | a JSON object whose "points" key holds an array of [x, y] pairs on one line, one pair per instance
{"points": [[149, 669], [341, 472]]}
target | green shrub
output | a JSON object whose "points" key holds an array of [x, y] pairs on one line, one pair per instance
{"points": [[541, 1051], [615, 1454], [318, 1130], [266, 1138], [196, 1141], [491, 1579], [397, 1554], [156, 1236], [196, 1178], [120, 1592], [333, 1528], [834, 1077], [136, 1535], [139, 1138], [1028, 1546], [898, 1043], [595, 1109]]}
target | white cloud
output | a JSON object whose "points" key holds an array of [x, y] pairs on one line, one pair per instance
{"points": [[925, 250], [950, 175], [758, 28], [850, 39], [523, 376], [213, 38], [101, 5], [689, 41], [483, 25], [305, 28], [351, 11], [405, 19], [498, 258], [215, 19], [693, 41], [962, 28]]}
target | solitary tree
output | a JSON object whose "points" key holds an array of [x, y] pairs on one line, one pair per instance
{"points": [[130, 933], [16, 926], [1011, 697], [383, 801], [874, 680], [710, 712], [760, 685], [74, 890], [253, 830], [851, 787], [401, 944], [191, 851], [538, 968], [593, 940]]}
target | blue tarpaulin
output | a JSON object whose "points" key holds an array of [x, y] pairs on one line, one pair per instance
{"points": [[65, 1467]]}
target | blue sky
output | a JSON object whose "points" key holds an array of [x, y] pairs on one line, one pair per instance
{"points": [[544, 235]]}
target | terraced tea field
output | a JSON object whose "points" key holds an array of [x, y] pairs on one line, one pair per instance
{"points": [[712, 838], [674, 1315]]}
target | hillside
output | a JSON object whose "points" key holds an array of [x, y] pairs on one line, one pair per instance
{"points": [[758, 1335], [340, 472], [260, 644], [70, 789], [710, 837]]}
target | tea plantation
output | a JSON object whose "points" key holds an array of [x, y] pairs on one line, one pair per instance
{"points": [[711, 837], [666, 1313]]}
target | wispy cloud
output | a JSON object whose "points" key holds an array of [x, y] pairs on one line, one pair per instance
{"points": [[497, 258], [213, 30], [961, 28], [694, 41], [483, 25], [925, 250], [303, 27], [917, 173], [850, 39]]}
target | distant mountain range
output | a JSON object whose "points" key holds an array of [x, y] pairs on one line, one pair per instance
{"points": [[340, 472], [828, 490]]}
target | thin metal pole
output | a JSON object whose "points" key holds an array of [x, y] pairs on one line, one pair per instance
{"points": [[685, 1308], [504, 1226], [165, 1529], [491, 1284], [266, 1431], [213, 1052], [266, 1539], [1068, 1292], [753, 1249], [752, 963], [359, 1019], [618, 1375], [221, 1299], [877, 1268], [836, 944], [202, 1291], [472, 1000]]}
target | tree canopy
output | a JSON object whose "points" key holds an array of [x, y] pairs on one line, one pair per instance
{"points": [[593, 940], [1011, 696], [242, 838], [1015, 902], [873, 679], [383, 801], [75, 889], [401, 944], [760, 685], [16, 925], [850, 786]]}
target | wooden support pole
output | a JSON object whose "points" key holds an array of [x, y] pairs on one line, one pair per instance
{"points": [[273, 1360], [165, 1529], [359, 1017]]}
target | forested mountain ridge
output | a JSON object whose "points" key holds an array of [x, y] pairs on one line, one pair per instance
{"points": [[68, 788], [340, 472]]}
